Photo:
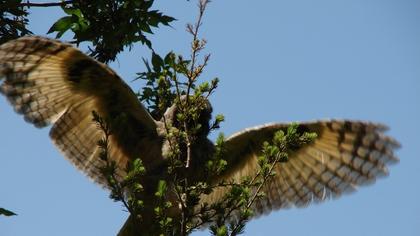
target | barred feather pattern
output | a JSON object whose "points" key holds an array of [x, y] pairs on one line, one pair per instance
{"points": [[50, 82], [346, 154]]}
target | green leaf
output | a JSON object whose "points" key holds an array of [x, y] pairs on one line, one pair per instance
{"points": [[137, 187], [170, 58], [6, 212], [140, 203], [61, 26], [72, 11], [204, 87], [138, 166], [222, 231], [166, 20], [157, 62], [220, 138], [161, 188]]}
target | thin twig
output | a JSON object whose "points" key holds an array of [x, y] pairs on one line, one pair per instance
{"points": [[195, 45], [104, 126], [192, 74], [183, 229]]}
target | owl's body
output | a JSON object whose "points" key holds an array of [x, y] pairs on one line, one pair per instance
{"points": [[50, 82]]}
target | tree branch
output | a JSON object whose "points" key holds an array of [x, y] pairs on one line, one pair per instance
{"points": [[47, 4]]}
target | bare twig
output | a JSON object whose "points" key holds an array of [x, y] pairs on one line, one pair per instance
{"points": [[196, 44], [47, 4]]}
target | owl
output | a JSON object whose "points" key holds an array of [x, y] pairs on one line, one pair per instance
{"points": [[53, 83]]}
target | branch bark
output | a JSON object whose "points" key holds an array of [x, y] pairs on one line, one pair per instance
{"points": [[47, 4]]}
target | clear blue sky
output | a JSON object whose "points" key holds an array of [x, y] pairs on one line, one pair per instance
{"points": [[277, 61]]}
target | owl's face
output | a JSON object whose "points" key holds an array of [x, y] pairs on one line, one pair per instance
{"points": [[202, 110], [202, 147]]}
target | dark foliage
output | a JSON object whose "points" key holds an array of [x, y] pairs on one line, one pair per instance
{"points": [[13, 20]]}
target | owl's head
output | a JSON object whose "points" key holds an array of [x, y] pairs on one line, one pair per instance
{"points": [[195, 112]]}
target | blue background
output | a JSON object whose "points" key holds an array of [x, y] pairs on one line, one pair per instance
{"points": [[277, 61]]}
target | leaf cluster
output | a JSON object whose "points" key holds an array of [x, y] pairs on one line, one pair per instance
{"points": [[160, 77], [234, 211], [123, 188], [13, 20], [110, 25]]}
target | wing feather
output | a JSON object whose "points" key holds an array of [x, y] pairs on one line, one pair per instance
{"points": [[346, 154], [50, 82]]}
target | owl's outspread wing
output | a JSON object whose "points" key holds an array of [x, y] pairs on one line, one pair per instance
{"points": [[346, 154], [50, 82]]}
